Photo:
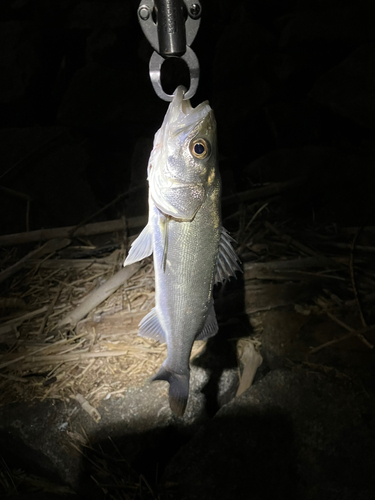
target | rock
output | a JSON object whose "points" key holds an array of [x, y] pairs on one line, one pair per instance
{"points": [[281, 338], [289, 336], [139, 423], [299, 434], [348, 89], [35, 447]]}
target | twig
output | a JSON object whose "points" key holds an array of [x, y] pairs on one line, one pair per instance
{"points": [[93, 412], [63, 232], [291, 241], [344, 246], [263, 192], [12, 303], [97, 296], [113, 202], [350, 329], [57, 358], [16, 194], [70, 264], [352, 277], [358, 333], [28, 155], [81, 375], [339, 321], [322, 368], [20, 319], [353, 230], [50, 247], [43, 348], [28, 216], [244, 243], [142, 478], [15, 379], [49, 311]]}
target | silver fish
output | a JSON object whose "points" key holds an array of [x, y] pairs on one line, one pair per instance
{"points": [[191, 249]]}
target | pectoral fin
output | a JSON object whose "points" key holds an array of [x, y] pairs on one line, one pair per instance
{"points": [[227, 262], [141, 247], [151, 327], [165, 228]]}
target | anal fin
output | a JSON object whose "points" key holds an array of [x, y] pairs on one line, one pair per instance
{"points": [[210, 327], [150, 327]]}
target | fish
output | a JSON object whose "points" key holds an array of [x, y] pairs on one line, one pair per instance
{"points": [[191, 250]]}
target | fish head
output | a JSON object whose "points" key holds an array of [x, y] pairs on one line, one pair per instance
{"points": [[183, 163]]}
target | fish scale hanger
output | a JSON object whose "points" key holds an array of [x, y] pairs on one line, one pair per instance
{"points": [[171, 26]]}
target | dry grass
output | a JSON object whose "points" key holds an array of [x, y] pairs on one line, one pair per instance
{"points": [[102, 355], [99, 358]]}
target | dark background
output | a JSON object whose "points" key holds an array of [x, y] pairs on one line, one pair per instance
{"points": [[292, 84]]}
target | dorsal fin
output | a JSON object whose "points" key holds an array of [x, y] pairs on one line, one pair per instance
{"points": [[227, 261]]}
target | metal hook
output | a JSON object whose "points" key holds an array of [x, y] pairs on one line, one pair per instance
{"points": [[171, 36], [190, 59]]}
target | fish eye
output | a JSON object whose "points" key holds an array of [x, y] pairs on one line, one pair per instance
{"points": [[200, 148]]}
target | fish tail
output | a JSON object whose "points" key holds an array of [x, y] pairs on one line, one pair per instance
{"points": [[178, 389]]}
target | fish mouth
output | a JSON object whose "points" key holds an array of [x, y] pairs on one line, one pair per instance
{"points": [[181, 115]]}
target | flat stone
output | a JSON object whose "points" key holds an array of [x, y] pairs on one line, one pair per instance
{"points": [[38, 437]]}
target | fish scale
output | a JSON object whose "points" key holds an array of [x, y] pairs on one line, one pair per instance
{"points": [[191, 249]]}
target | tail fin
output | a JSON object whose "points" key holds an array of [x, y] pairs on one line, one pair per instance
{"points": [[178, 389]]}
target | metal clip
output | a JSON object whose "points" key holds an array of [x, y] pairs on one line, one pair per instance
{"points": [[171, 26]]}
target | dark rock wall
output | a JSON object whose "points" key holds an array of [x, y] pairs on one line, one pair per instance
{"points": [[295, 77]]}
